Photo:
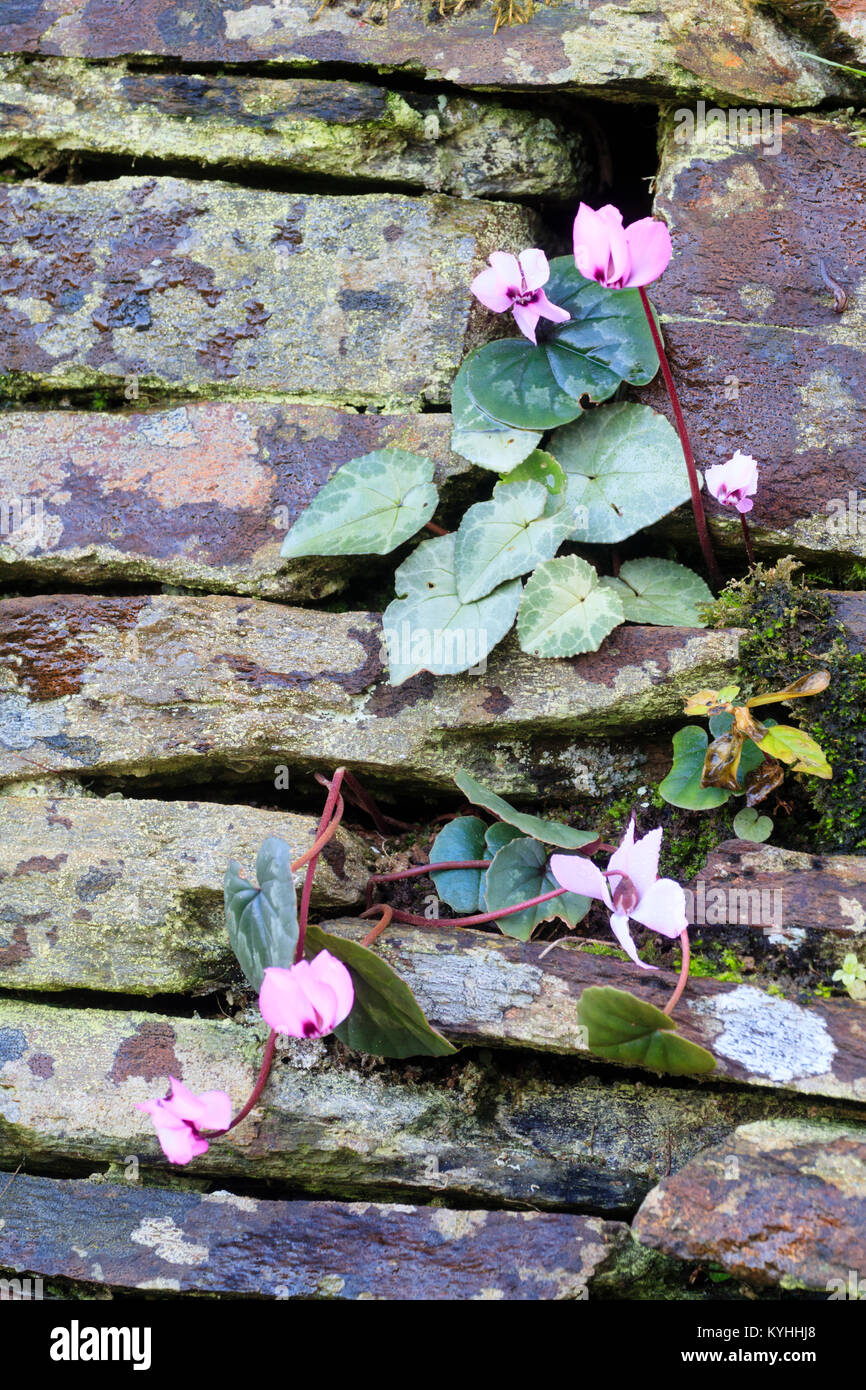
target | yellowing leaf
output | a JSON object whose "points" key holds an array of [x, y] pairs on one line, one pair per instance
{"points": [[797, 748]]}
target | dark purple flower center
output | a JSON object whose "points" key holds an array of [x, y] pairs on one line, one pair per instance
{"points": [[522, 296], [625, 895]]}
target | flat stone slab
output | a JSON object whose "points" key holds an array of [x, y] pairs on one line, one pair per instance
{"points": [[596, 47], [342, 130], [201, 495], [779, 1202], [128, 895], [207, 288], [468, 1128], [762, 360], [217, 1243], [165, 685], [780, 890]]}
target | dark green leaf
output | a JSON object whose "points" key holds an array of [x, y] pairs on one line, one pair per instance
{"points": [[519, 872], [622, 1028], [512, 381], [682, 786], [262, 922], [461, 838], [481, 440], [386, 1019], [549, 832]]}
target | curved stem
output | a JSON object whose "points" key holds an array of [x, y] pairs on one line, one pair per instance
{"points": [[418, 869], [694, 484], [385, 921], [479, 919], [747, 537], [684, 974], [331, 817]]}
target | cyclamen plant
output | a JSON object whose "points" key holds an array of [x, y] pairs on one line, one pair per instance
{"points": [[608, 468], [312, 984]]}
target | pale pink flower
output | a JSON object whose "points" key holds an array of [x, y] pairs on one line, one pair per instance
{"points": [[181, 1116], [514, 282], [734, 483], [618, 257], [630, 887], [309, 999]]}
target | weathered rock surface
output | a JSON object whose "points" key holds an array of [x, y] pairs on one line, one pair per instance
{"points": [[216, 1243], [734, 51], [200, 496], [781, 892], [447, 144], [210, 288], [762, 361], [487, 1129], [161, 685], [838, 26], [780, 1202], [128, 895]]}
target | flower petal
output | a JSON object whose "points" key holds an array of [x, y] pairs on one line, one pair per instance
{"points": [[535, 267], [619, 927], [526, 317], [663, 908], [638, 859], [578, 874], [591, 242], [551, 311], [492, 290], [649, 249], [331, 971], [283, 1002]]}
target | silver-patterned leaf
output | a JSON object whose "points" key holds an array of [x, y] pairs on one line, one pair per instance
{"points": [[625, 470], [565, 610], [524, 523], [429, 628], [482, 440], [660, 592], [370, 506]]}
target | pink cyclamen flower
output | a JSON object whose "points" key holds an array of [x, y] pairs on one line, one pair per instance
{"points": [[308, 1000], [514, 282], [182, 1115], [734, 483], [630, 887], [618, 257]]}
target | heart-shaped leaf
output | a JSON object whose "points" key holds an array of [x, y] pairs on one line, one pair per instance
{"points": [[660, 592], [682, 786], [625, 470], [370, 506], [549, 832], [262, 922], [565, 610], [429, 628], [622, 1028], [749, 825], [606, 341], [519, 872], [499, 834], [481, 440], [386, 1019], [523, 524], [461, 838], [797, 748]]}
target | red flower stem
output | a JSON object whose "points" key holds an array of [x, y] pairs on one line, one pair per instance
{"points": [[437, 530], [420, 869], [684, 974], [331, 817], [694, 484], [477, 921], [385, 921], [747, 537], [354, 792]]}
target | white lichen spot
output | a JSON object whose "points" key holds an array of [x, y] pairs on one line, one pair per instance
{"points": [[855, 911], [229, 1199], [168, 1242], [168, 1285], [769, 1037], [456, 1225], [252, 23]]}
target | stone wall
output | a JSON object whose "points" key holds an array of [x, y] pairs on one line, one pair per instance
{"points": [[236, 241]]}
